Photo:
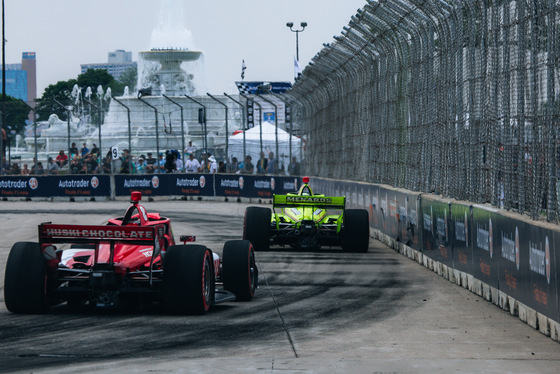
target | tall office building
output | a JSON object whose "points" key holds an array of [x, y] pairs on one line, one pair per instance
{"points": [[29, 64], [21, 79], [117, 63]]}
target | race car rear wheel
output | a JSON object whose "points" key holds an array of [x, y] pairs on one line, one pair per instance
{"points": [[256, 227], [25, 280], [188, 279], [356, 231], [239, 269]]}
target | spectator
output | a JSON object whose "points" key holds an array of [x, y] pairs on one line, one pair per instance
{"points": [[125, 162], [248, 167], [191, 149], [85, 150], [213, 165], [106, 163], [170, 165], [15, 170], [34, 164], [150, 163], [52, 166], [233, 167], [141, 166], [272, 166], [94, 150], [192, 165], [262, 164], [293, 168], [61, 159], [221, 167], [90, 165], [73, 150], [75, 165], [38, 169], [160, 164], [25, 170], [178, 163]]}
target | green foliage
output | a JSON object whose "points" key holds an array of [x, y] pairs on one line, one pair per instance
{"points": [[16, 113], [128, 78], [62, 92]]}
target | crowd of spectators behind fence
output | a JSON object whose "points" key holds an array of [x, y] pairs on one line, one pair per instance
{"points": [[89, 161]]}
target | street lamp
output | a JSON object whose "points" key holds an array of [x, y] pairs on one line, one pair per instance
{"points": [[303, 26]]}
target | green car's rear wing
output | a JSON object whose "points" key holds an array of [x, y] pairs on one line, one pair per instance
{"points": [[324, 202]]}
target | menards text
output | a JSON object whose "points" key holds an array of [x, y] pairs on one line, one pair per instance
{"points": [[301, 199], [89, 233]]}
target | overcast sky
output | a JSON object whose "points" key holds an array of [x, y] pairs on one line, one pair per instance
{"points": [[67, 33]]}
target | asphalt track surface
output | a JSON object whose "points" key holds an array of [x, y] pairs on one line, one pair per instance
{"points": [[315, 312]]}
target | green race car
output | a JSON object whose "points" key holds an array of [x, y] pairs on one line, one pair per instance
{"points": [[304, 220]]}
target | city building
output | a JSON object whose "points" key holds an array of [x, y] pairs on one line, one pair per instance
{"points": [[117, 63], [21, 79]]}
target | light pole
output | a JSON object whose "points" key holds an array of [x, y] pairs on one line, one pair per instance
{"points": [[303, 26]]}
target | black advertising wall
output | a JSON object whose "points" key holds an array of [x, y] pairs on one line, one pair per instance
{"points": [[24, 186], [512, 241], [147, 184], [554, 269], [485, 246], [435, 231], [49, 186], [408, 229], [190, 184], [236, 185], [513, 255], [228, 185], [543, 271], [461, 232], [100, 185], [80, 186]]}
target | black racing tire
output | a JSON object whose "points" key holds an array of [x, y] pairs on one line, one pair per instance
{"points": [[239, 269], [356, 231], [25, 280], [189, 283], [256, 227]]}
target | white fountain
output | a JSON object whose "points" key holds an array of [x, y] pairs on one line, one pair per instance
{"points": [[172, 67]]}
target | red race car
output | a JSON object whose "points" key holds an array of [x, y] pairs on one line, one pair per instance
{"points": [[130, 260]]}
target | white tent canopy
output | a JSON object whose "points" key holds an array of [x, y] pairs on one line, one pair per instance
{"points": [[253, 144]]}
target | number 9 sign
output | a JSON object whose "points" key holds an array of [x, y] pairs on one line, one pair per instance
{"points": [[115, 152]]}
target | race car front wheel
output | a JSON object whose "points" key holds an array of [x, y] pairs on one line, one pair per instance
{"points": [[188, 279], [256, 227], [356, 231], [239, 269], [25, 280]]}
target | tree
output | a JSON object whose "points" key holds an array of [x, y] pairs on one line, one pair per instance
{"points": [[62, 92], [129, 78], [17, 112], [98, 77]]}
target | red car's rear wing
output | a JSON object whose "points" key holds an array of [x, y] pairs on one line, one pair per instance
{"points": [[141, 235]]}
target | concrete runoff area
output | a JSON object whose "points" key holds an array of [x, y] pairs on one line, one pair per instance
{"points": [[319, 311]]}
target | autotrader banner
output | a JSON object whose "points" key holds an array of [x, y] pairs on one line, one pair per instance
{"points": [[147, 184], [190, 184], [485, 246], [461, 237], [81, 186], [56, 186], [435, 233], [24, 186], [240, 185]]}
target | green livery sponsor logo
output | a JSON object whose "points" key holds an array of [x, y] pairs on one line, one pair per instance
{"points": [[305, 199]]}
